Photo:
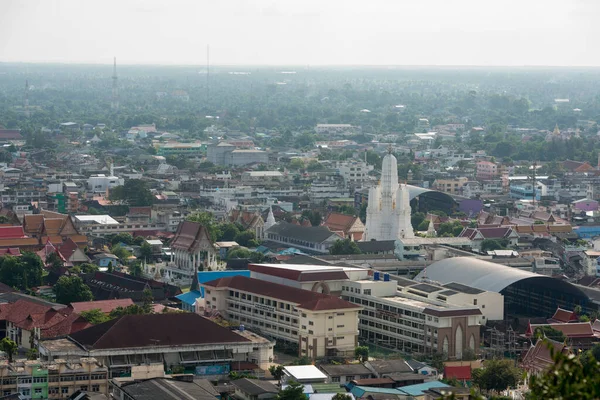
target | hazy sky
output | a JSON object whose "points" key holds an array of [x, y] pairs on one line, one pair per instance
{"points": [[301, 32]]}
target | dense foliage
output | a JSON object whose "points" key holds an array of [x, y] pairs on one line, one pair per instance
{"points": [[22, 272]]}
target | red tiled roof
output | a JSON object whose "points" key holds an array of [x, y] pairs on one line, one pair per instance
{"points": [[11, 251], [67, 248], [302, 298], [462, 373], [189, 235], [12, 232], [10, 134], [572, 330], [538, 358], [52, 321], [339, 222], [106, 306], [151, 330], [562, 315]]}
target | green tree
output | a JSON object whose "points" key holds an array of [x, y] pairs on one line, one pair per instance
{"points": [[147, 300], [491, 244], [276, 372], [341, 396], [32, 354], [95, 316], [361, 353], [244, 237], [497, 375], [228, 232], [9, 347], [133, 309], [346, 209], [120, 252], [207, 220], [135, 269], [344, 246], [110, 267], [313, 216], [54, 261], [146, 251], [88, 268], [125, 238], [71, 289], [21, 272], [294, 391], [134, 192], [296, 164]]}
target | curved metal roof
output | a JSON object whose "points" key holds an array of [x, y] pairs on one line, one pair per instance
{"points": [[415, 191], [488, 276]]}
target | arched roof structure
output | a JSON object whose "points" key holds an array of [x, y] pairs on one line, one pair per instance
{"points": [[490, 276]]}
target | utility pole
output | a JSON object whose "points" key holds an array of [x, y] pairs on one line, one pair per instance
{"points": [[207, 75]]}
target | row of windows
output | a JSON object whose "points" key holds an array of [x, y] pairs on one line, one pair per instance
{"points": [[260, 300], [385, 307], [266, 325], [365, 324]]}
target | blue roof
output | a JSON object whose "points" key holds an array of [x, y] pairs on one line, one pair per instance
{"points": [[189, 297], [207, 276], [418, 389]]}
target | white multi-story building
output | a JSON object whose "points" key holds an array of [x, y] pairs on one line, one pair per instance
{"points": [[411, 322], [322, 325], [355, 173], [101, 183], [324, 190]]}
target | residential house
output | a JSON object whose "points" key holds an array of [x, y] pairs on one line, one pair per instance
{"points": [[254, 389], [345, 373], [28, 322]]}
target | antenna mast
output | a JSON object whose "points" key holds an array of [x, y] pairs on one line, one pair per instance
{"points": [[114, 104], [26, 103]]}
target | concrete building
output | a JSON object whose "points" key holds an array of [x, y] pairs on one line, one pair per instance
{"points": [[388, 210], [355, 173], [410, 322], [452, 186], [486, 170], [322, 325], [58, 379], [166, 339], [101, 183], [227, 154]]}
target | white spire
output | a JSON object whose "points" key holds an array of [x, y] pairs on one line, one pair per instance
{"points": [[431, 229], [388, 211], [270, 218]]}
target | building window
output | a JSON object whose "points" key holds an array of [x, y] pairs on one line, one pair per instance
{"points": [[95, 388], [310, 332], [38, 390], [26, 392], [311, 323], [303, 315], [349, 378], [303, 326], [474, 302], [330, 329], [335, 379], [367, 291], [340, 313], [330, 317], [340, 326]]}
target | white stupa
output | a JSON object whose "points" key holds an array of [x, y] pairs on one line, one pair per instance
{"points": [[388, 211], [270, 219]]}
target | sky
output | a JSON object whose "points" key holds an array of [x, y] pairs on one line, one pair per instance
{"points": [[302, 32]]}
